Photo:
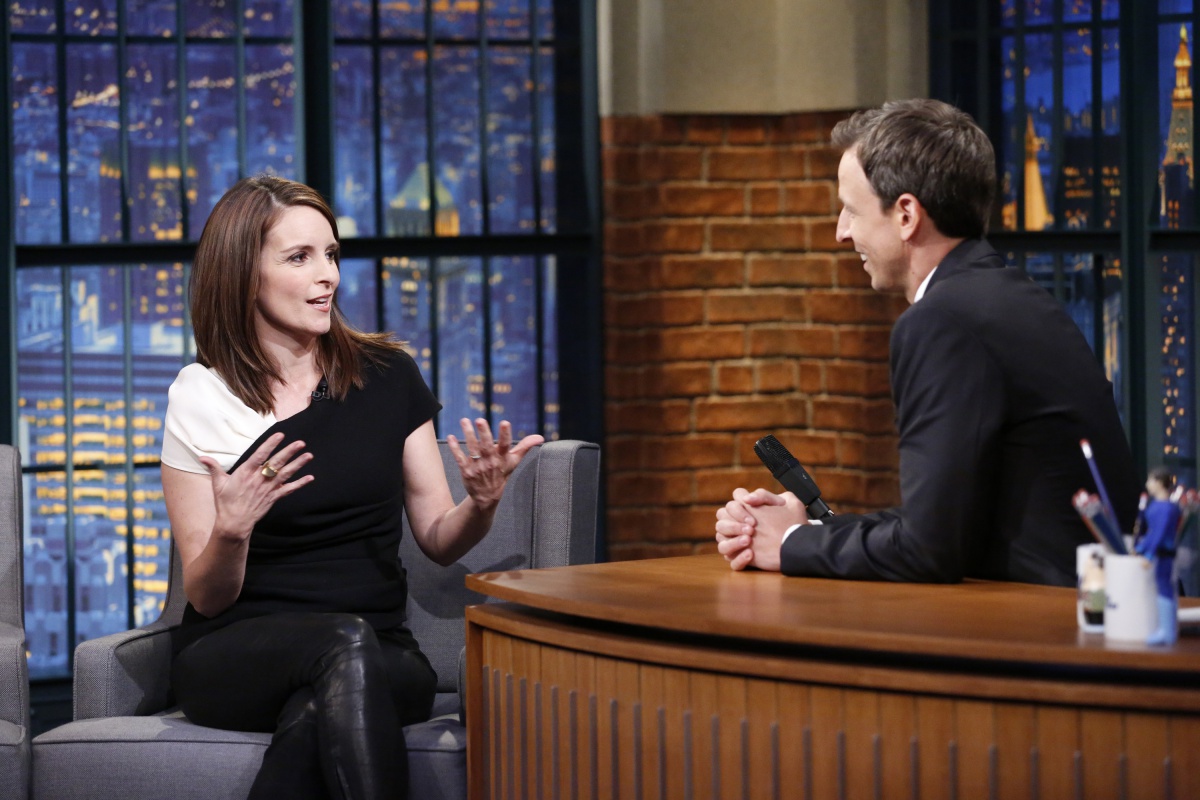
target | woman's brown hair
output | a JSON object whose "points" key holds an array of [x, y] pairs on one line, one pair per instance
{"points": [[225, 282]]}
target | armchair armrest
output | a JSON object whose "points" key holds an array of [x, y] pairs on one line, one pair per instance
{"points": [[14, 679], [124, 674], [566, 505]]}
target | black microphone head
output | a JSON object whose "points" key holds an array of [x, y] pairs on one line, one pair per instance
{"points": [[774, 455], [795, 479]]}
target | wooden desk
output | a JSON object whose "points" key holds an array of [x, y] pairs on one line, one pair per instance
{"points": [[679, 678]]}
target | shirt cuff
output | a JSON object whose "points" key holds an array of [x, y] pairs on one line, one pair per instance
{"points": [[788, 532]]}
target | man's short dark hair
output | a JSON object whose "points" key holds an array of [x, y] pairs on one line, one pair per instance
{"points": [[931, 150]]}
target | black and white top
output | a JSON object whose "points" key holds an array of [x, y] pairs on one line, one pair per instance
{"points": [[333, 545]]}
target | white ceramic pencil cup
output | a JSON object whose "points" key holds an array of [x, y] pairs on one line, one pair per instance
{"points": [[1130, 612]]}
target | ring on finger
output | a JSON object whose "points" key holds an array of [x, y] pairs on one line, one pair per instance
{"points": [[268, 470], [475, 457]]}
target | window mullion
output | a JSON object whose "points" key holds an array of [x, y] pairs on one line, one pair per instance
{"points": [[316, 100], [1020, 115], [8, 294], [181, 106], [431, 190], [130, 552], [535, 115], [69, 459], [64, 171], [239, 76], [485, 196], [124, 88]]}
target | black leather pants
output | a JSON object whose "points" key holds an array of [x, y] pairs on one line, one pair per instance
{"points": [[334, 693]]}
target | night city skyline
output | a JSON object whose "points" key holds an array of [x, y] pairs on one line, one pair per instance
{"points": [[101, 158]]}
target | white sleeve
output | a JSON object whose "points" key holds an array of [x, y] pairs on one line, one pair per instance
{"points": [[176, 453], [204, 418], [796, 527]]}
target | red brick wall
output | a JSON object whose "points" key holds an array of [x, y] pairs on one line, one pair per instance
{"points": [[731, 312]]}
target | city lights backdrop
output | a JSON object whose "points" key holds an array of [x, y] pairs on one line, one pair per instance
{"points": [[129, 120]]}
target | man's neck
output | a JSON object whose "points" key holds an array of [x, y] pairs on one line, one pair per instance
{"points": [[926, 257]]}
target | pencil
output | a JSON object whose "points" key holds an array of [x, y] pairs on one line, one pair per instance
{"points": [[1105, 502]]}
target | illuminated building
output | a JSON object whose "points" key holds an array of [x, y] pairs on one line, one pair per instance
{"points": [[1037, 210], [408, 212], [1176, 176], [1176, 198]]}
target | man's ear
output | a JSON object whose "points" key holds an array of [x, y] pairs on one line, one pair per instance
{"points": [[910, 215]]}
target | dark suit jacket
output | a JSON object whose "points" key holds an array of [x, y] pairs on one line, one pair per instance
{"points": [[994, 386]]}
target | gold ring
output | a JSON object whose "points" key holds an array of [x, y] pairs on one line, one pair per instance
{"points": [[269, 471]]}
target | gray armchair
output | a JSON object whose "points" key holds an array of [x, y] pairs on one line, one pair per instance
{"points": [[127, 741], [14, 676]]}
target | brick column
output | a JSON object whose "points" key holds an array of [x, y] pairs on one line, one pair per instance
{"points": [[732, 312]]}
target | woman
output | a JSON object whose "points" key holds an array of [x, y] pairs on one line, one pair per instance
{"points": [[292, 448]]}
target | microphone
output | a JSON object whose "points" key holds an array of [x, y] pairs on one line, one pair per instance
{"points": [[322, 391], [795, 479]]}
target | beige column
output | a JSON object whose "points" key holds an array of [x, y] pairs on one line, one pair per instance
{"points": [[759, 56]]}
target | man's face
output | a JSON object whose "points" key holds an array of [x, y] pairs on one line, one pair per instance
{"points": [[874, 232]]}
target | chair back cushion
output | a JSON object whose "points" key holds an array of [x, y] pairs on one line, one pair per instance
{"points": [[14, 678], [546, 518], [12, 581]]}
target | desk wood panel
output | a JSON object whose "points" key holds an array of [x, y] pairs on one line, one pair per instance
{"points": [[731, 734], [794, 739], [1014, 745], [826, 734], [857, 740], [563, 706], [1147, 755], [1184, 734], [676, 730], [762, 736], [1102, 743], [860, 742], [1058, 752], [974, 735], [935, 747], [897, 745]]}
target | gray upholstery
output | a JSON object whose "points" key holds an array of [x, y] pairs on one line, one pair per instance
{"points": [[14, 668], [127, 741]]}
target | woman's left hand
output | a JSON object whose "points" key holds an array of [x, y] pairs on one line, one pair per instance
{"points": [[486, 463]]}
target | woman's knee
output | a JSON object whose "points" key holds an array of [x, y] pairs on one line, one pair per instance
{"points": [[349, 629], [299, 713], [347, 638]]}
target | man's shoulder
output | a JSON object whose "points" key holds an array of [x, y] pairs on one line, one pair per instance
{"points": [[979, 284]]}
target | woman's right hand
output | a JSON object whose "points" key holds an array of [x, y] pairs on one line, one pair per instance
{"points": [[245, 495]]}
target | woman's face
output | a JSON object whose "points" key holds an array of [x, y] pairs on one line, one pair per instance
{"points": [[298, 275]]}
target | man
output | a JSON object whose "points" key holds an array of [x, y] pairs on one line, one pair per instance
{"points": [[994, 385]]}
